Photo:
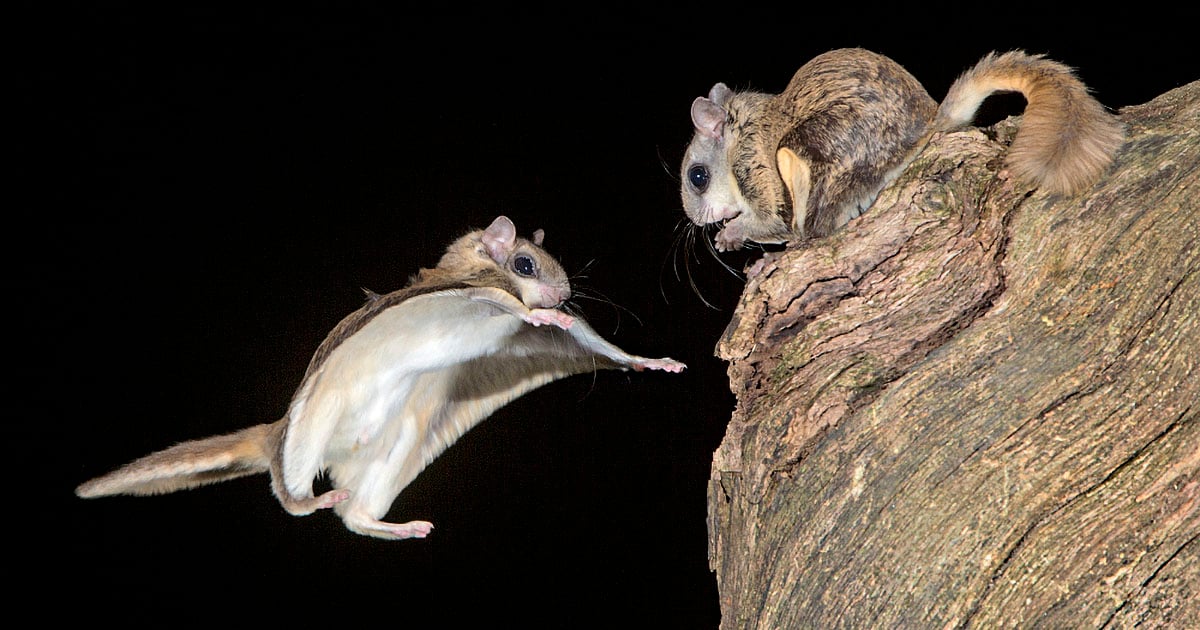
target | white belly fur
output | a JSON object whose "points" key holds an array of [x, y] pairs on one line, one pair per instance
{"points": [[361, 415]]}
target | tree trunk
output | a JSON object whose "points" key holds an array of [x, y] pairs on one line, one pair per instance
{"points": [[976, 405]]}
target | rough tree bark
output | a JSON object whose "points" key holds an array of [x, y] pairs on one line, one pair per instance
{"points": [[976, 406]]}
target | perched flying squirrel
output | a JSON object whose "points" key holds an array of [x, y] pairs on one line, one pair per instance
{"points": [[398, 381], [800, 164]]}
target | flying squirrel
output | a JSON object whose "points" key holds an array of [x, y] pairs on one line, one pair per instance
{"points": [[801, 164], [398, 381]]}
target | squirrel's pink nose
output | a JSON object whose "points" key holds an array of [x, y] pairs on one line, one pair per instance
{"points": [[553, 296]]}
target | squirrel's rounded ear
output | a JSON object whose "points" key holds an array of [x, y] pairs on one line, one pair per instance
{"points": [[720, 94], [539, 235], [708, 117], [499, 238]]}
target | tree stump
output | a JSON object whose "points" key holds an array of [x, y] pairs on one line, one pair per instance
{"points": [[976, 405]]}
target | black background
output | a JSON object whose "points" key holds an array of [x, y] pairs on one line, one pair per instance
{"points": [[204, 191]]}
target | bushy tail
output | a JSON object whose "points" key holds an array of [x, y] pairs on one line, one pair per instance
{"points": [[1066, 140], [190, 464]]}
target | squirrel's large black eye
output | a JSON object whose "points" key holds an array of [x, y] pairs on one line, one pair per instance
{"points": [[524, 266], [698, 177]]}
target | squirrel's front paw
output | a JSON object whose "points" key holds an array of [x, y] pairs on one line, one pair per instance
{"points": [[539, 316]]}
